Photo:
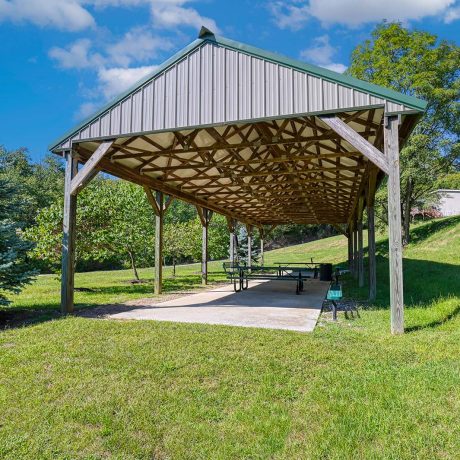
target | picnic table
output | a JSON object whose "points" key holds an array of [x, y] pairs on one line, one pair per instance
{"points": [[240, 274]]}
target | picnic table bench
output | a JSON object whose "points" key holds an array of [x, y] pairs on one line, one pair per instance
{"points": [[240, 274]]}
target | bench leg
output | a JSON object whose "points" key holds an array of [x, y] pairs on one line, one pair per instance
{"points": [[234, 285], [334, 310]]}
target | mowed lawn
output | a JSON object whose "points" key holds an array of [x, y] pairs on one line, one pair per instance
{"points": [[85, 388]]}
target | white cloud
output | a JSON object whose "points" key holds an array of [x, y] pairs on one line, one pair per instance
{"points": [[86, 109], [172, 13], [74, 15], [294, 14], [289, 15], [61, 14], [322, 54], [138, 45], [76, 56], [336, 67], [452, 14], [115, 80]]}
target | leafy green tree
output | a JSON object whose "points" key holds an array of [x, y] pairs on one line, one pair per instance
{"points": [[15, 271], [114, 218], [450, 181], [416, 63]]}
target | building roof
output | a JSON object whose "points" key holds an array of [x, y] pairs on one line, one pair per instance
{"points": [[215, 73]]}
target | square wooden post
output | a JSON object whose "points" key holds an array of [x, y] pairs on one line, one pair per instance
{"points": [[360, 254], [261, 236], [249, 230], [205, 217], [158, 284], [231, 224], [371, 252], [391, 142], [350, 249], [355, 250], [204, 250], [68, 237]]}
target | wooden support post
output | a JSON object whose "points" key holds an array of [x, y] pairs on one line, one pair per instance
{"points": [[231, 224], [355, 250], [205, 217], [249, 230], [350, 249], [158, 286], [391, 142], [360, 254], [261, 236], [159, 208], [371, 252], [371, 235], [69, 230]]}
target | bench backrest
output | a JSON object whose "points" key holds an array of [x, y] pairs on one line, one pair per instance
{"points": [[232, 267]]}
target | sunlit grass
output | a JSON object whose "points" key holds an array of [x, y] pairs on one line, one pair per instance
{"points": [[84, 388]]}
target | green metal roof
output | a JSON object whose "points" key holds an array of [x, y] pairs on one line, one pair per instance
{"points": [[205, 35]]}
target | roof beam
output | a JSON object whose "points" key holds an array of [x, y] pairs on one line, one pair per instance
{"points": [[87, 172], [357, 141]]}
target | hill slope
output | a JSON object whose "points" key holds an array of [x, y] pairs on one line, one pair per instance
{"points": [[83, 388]]}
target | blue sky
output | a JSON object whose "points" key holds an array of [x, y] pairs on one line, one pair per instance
{"points": [[62, 59]]}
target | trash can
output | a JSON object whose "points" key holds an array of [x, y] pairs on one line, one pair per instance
{"points": [[325, 272]]}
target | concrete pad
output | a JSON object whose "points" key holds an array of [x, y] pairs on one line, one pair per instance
{"points": [[266, 304]]}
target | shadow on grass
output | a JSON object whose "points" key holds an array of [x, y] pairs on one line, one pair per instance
{"points": [[425, 282], [435, 323], [14, 317]]}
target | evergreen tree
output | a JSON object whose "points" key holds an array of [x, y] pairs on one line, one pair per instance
{"points": [[15, 269], [242, 245]]}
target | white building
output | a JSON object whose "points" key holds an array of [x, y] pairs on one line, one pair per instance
{"points": [[449, 202]]}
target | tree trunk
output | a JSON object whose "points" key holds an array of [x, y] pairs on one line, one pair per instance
{"points": [[406, 211], [174, 266], [133, 265]]}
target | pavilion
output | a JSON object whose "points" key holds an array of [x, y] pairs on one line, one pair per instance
{"points": [[257, 137]]}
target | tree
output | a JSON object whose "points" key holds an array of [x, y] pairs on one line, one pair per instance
{"points": [[113, 219], [416, 63], [243, 248], [15, 269], [179, 241], [37, 184]]}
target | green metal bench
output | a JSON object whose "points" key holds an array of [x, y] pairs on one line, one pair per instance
{"points": [[334, 294]]}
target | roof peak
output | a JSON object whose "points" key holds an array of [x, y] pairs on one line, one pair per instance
{"points": [[205, 33]]}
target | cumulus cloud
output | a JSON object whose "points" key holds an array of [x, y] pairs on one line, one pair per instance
{"points": [[138, 44], [289, 15], [74, 15], [86, 109], [322, 53], [294, 14], [61, 14], [76, 56], [173, 13], [113, 81], [452, 14]]}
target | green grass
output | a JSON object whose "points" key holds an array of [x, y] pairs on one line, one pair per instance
{"points": [[83, 388]]}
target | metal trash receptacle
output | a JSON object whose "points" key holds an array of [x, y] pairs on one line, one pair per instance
{"points": [[325, 272]]}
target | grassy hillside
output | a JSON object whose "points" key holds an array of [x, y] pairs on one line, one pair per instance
{"points": [[82, 388]]}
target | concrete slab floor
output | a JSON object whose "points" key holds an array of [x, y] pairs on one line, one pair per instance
{"points": [[266, 304]]}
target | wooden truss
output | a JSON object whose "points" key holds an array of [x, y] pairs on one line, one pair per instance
{"points": [[295, 170]]}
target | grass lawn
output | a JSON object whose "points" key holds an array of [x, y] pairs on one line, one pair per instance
{"points": [[84, 388]]}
